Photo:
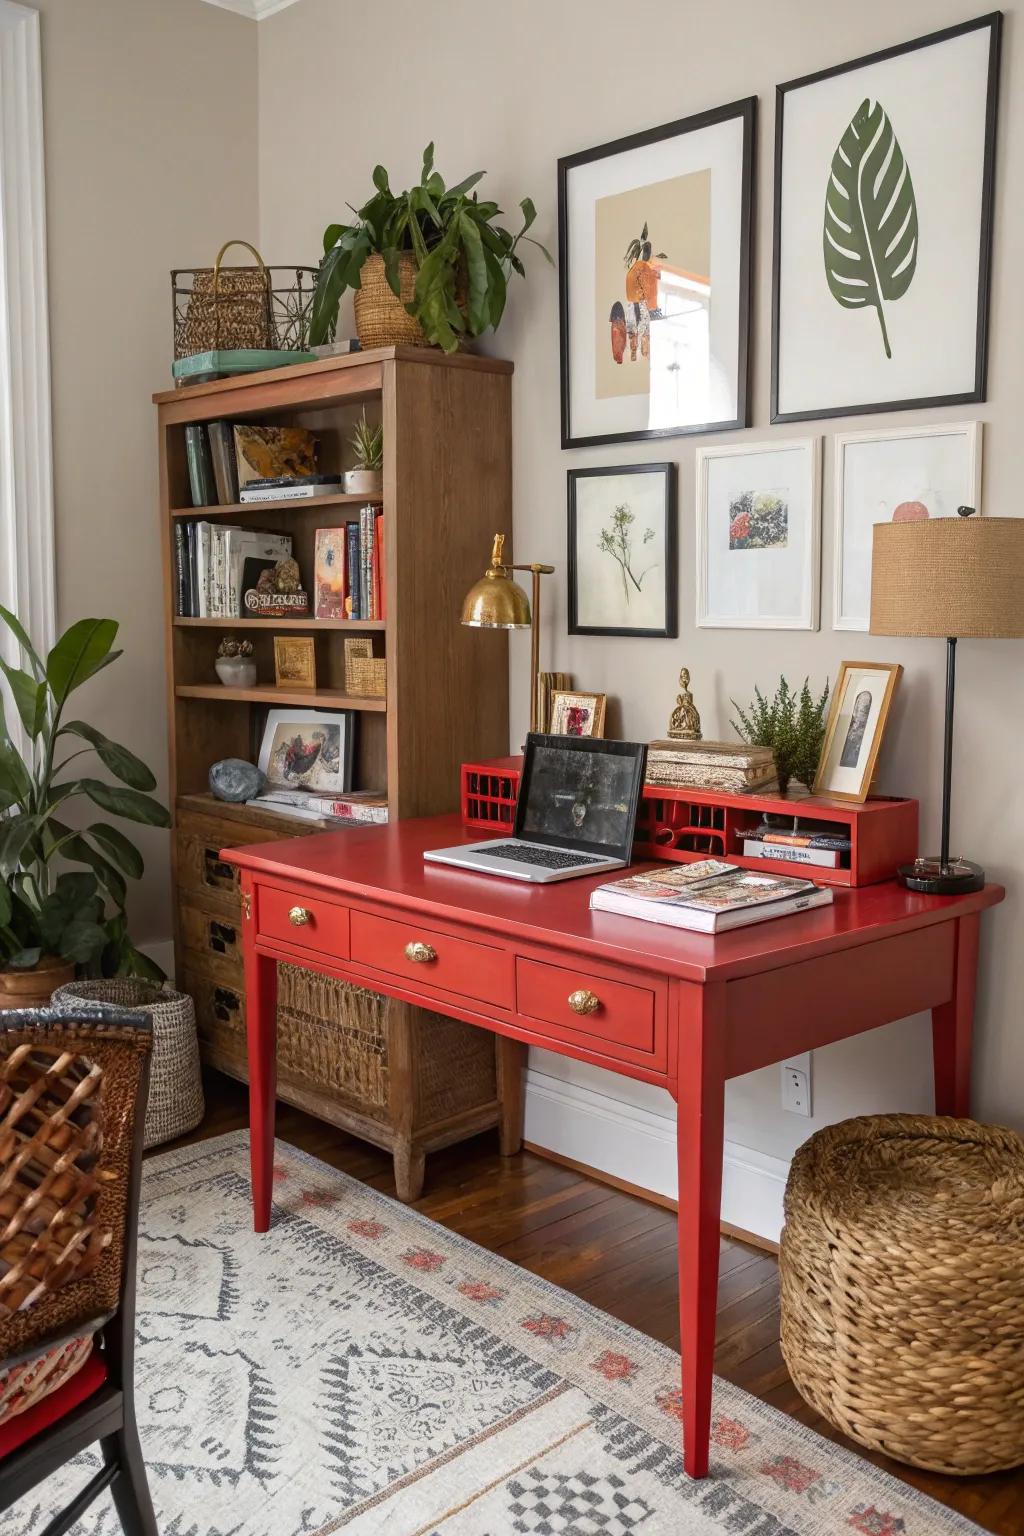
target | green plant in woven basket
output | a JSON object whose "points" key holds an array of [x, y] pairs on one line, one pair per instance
{"points": [[47, 909], [452, 236], [367, 443], [792, 724]]}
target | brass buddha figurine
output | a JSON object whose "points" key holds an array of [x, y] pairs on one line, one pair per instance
{"points": [[685, 722]]}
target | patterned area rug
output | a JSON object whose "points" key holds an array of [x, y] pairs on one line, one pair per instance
{"points": [[360, 1369]]}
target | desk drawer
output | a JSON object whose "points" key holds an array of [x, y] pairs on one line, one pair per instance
{"points": [[612, 1015], [302, 922], [422, 955]]}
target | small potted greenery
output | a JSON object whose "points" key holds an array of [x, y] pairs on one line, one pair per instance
{"points": [[429, 267], [792, 724], [367, 444], [63, 876]]}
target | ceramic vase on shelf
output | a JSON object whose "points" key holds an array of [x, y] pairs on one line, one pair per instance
{"points": [[236, 671], [365, 482]]}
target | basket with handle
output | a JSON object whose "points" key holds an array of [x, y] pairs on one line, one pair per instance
{"points": [[227, 307]]}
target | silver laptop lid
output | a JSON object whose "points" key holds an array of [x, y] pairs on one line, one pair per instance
{"points": [[581, 794]]}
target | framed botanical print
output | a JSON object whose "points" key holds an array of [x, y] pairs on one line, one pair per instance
{"points": [[654, 235], [856, 724], [895, 475], [883, 228], [578, 714], [758, 535], [623, 574]]}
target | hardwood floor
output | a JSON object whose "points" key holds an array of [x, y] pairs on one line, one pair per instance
{"points": [[618, 1252]]}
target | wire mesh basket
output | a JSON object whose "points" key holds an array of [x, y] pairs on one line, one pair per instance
{"points": [[257, 308]]}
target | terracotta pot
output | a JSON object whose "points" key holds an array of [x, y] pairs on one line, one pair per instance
{"points": [[34, 988]]}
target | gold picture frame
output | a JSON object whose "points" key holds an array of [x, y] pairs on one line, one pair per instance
{"points": [[577, 714], [294, 661], [857, 717]]}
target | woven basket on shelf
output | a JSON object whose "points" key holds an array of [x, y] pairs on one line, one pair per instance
{"points": [[902, 1275], [175, 1085], [228, 307], [382, 320]]}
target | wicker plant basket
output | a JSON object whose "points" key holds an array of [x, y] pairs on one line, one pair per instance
{"points": [[382, 320], [175, 1085], [902, 1274]]}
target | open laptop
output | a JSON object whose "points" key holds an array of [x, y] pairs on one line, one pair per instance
{"points": [[575, 813]]}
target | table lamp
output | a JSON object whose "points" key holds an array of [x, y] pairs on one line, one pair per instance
{"points": [[962, 578], [498, 602]]}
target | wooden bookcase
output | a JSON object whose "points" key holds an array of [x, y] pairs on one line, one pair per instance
{"points": [[447, 491]]}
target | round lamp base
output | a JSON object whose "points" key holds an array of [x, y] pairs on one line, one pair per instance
{"points": [[930, 875]]}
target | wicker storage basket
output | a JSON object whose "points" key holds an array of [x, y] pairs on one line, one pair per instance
{"points": [[228, 307], [902, 1275], [175, 1085], [382, 320]]}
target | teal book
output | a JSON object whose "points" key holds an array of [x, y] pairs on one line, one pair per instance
{"points": [[200, 466]]}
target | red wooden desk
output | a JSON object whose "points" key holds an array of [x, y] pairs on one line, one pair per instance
{"points": [[533, 964]]}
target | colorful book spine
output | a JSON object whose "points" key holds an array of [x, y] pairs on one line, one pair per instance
{"points": [[180, 574], [352, 564], [821, 858]]}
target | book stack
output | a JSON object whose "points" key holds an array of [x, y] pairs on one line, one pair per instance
{"points": [[358, 807], [364, 565], [731, 768], [216, 565], [708, 896], [826, 845]]}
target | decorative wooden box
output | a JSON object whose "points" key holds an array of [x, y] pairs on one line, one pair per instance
{"points": [[685, 824]]}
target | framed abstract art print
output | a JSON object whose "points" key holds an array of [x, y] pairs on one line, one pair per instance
{"points": [[884, 174], [623, 574], [654, 235], [758, 535]]}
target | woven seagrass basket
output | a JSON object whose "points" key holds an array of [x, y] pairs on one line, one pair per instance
{"points": [[175, 1084], [382, 320], [902, 1275]]}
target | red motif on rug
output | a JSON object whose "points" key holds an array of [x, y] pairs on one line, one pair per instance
{"points": [[873, 1522], [479, 1290], [423, 1258], [730, 1434], [671, 1403], [548, 1327], [363, 1226], [792, 1474], [615, 1367]]}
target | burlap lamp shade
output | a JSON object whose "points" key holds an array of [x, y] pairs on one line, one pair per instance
{"points": [[961, 578]]}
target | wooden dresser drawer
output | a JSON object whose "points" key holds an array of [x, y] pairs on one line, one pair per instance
{"points": [[422, 955], [302, 922], [616, 1017]]}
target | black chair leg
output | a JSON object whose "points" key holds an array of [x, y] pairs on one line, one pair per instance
{"points": [[130, 1489]]}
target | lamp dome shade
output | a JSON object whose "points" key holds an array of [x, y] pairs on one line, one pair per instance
{"points": [[949, 576], [496, 602]]}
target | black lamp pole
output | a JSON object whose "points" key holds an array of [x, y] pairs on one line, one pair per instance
{"points": [[947, 757]]}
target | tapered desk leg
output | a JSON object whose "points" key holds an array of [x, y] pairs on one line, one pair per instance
{"points": [[511, 1058], [953, 1024], [700, 1126], [261, 1036]]}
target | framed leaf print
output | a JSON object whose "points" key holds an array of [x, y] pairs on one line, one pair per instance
{"points": [[883, 228], [654, 237], [623, 573]]}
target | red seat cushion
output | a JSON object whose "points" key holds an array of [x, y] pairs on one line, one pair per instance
{"points": [[24, 1426]]}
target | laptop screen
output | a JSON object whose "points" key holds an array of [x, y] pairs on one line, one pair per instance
{"points": [[579, 793]]}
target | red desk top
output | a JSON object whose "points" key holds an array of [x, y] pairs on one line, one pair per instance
{"points": [[386, 864]]}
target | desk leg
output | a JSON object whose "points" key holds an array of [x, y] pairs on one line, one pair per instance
{"points": [[952, 1026], [403, 1085], [700, 1128], [261, 1035], [511, 1057]]}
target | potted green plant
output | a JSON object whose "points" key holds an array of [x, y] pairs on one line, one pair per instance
{"points": [[367, 444], [429, 266], [792, 724], [63, 876]]}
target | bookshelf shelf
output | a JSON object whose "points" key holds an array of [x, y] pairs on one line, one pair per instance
{"points": [[311, 698], [277, 504], [269, 626]]}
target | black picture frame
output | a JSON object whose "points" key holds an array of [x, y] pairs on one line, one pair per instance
{"points": [[746, 110], [671, 628], [993, 20]]}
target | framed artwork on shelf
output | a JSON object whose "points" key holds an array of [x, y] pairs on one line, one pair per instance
{"points": [[623, 571], [294, 661], [883, 228], [895, 475], [758, 535], [654, 236], [856, 724], [308, 749], [578, 714]]}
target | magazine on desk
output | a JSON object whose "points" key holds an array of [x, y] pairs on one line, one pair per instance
{"points": [[708, 896]]}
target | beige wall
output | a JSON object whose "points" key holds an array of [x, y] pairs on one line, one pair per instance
{"points": [[511, 89], [150, 128]]}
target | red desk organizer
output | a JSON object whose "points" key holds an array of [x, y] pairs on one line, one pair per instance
{"points": [[681, 825]]}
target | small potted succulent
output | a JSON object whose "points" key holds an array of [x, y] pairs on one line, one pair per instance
{"points": [[63, 889], [234, 664], [367, 444]]}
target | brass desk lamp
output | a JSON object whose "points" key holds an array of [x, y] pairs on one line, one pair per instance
{"points": [[498, 602]]}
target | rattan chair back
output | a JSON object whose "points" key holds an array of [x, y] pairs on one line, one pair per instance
{"points": [[72, 1102]]}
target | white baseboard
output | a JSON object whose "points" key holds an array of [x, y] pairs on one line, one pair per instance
{"points": [[638, 1145]]}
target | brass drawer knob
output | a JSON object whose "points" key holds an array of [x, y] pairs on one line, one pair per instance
{"points": [[584, 1001], [420, 952], [300, 916]]}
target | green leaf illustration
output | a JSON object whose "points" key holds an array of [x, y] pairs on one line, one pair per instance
{"points": [[870, 234]]}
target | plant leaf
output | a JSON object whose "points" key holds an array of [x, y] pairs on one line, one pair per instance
{"points": [[428, 163], [15, 833], [81, 651], [15, 780], [82, 941], [6, 905], [870, 233], [80, 852], [478, 311], [20, 634], [29, 697], [380, 179], [123, 764], [125, 802], [119, 848]]}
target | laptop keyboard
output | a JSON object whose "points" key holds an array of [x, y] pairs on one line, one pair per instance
{"points": [[548, 858]]}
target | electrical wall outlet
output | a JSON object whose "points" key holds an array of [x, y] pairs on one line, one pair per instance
{"points": [[796, 1084]]}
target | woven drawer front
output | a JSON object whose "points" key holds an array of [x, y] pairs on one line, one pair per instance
{"points": [[332, 1036]]}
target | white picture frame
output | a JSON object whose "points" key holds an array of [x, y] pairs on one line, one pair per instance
{"points": [[764, 573], [880, 472], [334, 778]]}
